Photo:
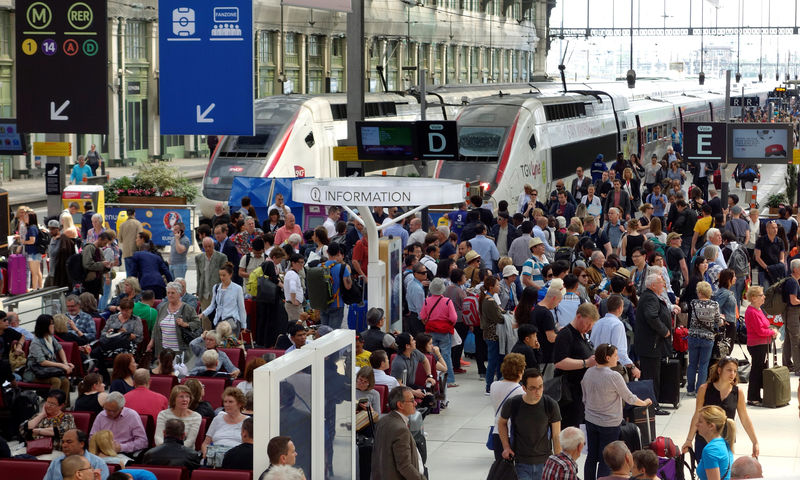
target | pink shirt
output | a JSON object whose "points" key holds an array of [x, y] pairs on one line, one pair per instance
{"points": [[758, 331], [441, 319], [146, 402], [282, 234]]}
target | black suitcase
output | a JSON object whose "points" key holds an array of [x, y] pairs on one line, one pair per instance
{"points": [[629, 433], [645, 419], [670, 391]]}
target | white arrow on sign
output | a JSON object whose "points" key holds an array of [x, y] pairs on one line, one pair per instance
{"points": [[56, 114], [201, 117]]}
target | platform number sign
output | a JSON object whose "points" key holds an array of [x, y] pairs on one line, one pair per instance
{"points": [[61, 69]]}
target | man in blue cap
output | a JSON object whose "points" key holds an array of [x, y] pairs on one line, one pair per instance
{"points": [[598, 167]]}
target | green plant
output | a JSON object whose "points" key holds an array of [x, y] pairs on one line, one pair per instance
{"points": [[152, 179], [791, 183], [777, 199]]}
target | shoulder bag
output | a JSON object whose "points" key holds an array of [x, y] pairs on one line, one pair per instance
{"points": [[490, 440]]}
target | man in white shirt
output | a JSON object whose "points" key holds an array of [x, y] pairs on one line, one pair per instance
{"points": [[379, 361], [293, 288], [610, 329], [330, 223], [417, 233]]}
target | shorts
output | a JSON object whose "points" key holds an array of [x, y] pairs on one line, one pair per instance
{"points": [[33, 257]]}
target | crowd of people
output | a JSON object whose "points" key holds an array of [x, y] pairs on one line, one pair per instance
{"points": [[582, 290]]}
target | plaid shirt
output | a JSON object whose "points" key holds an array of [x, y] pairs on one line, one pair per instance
{"points": [[85, 324], [560, 467]]}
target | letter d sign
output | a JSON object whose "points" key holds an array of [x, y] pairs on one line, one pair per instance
{"points": [[436, 142]]}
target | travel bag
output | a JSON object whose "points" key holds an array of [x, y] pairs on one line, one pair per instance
{"points": [[645, 419], [670, 391], [18, 274], [629, 433], [777, 392]]}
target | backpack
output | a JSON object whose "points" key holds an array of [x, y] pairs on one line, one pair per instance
{"points": [[739, 262], [661, 247], [774, 304], [319, 285], [406, 273], [353, 295], [75, 269], [470, 312], [42, 241], [563, 253]]}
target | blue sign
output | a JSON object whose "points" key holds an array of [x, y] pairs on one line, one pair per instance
{"points": [[206, 67], [157, 221]]}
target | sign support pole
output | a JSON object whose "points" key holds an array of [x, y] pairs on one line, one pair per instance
{"points": [[355, 74], [725, 186], [423, 114], [54, 206]]}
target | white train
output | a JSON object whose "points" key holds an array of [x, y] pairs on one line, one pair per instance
{"points": [[506, 141], [510, 134]]}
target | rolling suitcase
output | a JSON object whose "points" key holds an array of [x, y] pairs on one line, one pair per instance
{"points": [[18, 274], [645, 419], [670, 391], [629, 433], [777, 392]]}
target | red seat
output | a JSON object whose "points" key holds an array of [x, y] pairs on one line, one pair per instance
{"points": [[113, 467], [83, 421], [164, 473], [73, 356], [99, 323], [214, 386], [201, 433], [23, 468], [252, 318], [421, 376], [257, 352], [26, 346], [235, 382], [149, 424], [235, 356], [208, 474], [163, 384], [383, 391], [157, 302]]}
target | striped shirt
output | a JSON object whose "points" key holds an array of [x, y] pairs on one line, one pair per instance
{"points": [[169, 334], [533, 268]]}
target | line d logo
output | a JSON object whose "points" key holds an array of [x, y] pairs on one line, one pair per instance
{"points": [[39, 15]]}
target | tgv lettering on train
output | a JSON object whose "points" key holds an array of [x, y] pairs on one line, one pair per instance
{"points": [[531, 170]]}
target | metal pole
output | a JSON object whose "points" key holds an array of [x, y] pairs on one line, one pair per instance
{"points": [[423, 107], [355, 73], [724, 193]]}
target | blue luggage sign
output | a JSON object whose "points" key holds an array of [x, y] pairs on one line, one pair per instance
{"points": [[206, 67]]}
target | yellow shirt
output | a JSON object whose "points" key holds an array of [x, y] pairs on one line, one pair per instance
{"points": [[362, 359], [703, 224]]}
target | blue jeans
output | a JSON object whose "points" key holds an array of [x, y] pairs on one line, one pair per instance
{"points": [[493, 362], [106, 295], [699, 356], [333, 317], [526, 471], [597, 438], [128, 265], [738, 288], [444, 342], [178, 271]]}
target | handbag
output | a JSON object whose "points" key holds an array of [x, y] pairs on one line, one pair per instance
{"points": [[352, 295], [744, 367], [558, 389], [363, 440], [40, 446], [267, 290], [490, 440], [502, 470], [45, 372]]}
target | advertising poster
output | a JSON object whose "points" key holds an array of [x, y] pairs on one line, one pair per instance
{"points": [[157, 221], [762, 143]]}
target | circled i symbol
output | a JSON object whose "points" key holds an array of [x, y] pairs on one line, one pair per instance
{"points": [[90, 48], [80, 16], [70, 47], [39, 15], [49, 47], [29, 46]]}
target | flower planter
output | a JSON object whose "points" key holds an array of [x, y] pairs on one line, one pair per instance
{"points": [[151, 200]]}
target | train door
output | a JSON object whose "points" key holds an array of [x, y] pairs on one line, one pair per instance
{"points": [[640, 140], [711, 111]]}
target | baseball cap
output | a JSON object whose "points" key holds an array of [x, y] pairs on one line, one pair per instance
{"points": [[53, 224]]}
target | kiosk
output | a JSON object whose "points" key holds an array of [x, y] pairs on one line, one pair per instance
{"points": [[367, 192], [81, 194]]}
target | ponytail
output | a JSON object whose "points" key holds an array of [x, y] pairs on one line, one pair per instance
{"points": [[488, 283], [730, 433]]}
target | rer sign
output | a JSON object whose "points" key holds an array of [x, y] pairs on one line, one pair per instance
{"points": [[206, 67], [704, 141]]}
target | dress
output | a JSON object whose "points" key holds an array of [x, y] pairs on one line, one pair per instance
{"points": [[713, 397]]}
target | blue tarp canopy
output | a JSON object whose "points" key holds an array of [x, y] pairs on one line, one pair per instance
{"points": [[262, 193]]}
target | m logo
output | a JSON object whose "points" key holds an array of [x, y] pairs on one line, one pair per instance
{"points": [[39, 15]]}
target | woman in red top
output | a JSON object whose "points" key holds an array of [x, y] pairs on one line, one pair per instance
{"points": [[439, 316], [759, 336]]}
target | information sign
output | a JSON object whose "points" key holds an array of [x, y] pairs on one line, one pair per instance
{"points": [[62, 78], [52, 179], [760, 142], [206, 67], [11, 141]]}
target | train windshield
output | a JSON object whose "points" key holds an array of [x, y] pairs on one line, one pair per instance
{"points": [[247, 156], [482, 131]]}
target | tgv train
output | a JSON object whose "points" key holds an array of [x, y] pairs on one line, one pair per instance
{"points": [[506, 141], [510, 134], [295, 133]]}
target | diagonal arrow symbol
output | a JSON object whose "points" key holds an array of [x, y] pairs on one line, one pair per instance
{"points": [[201, 117], [56, 114]]}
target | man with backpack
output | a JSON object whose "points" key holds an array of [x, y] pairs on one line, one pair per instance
{"points": [[738, 261], [535, 420], [341, 280]]}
